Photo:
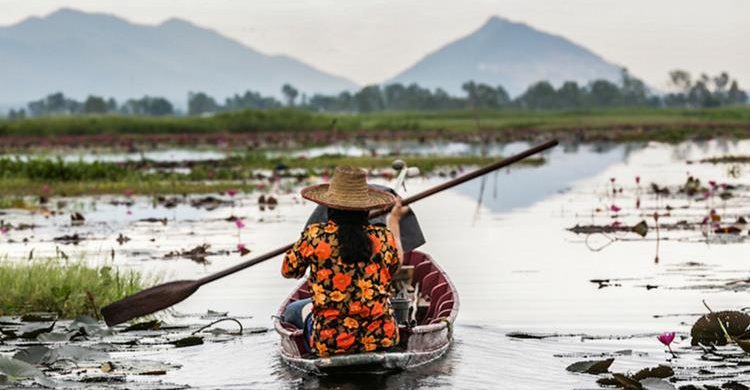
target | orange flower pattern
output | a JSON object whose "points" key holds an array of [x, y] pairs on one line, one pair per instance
{"points": [[351, 311]]}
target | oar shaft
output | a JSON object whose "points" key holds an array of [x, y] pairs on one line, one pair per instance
{"points": [[411, 199], [241, 266], [473, 175], [165, 295]]}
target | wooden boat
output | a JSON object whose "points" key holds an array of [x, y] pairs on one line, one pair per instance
{"points": [[422, 343]]}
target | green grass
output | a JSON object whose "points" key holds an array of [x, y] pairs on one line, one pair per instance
{"points": [[296, 121], [69, 289], [40, 177]]}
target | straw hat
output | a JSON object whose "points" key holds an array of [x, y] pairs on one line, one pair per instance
{"points": [[348, 190]]}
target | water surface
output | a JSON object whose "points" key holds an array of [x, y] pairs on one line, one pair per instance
{"points": [[516, 267]]}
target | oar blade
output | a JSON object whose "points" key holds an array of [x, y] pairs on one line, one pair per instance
{"points": [[148, 301]]}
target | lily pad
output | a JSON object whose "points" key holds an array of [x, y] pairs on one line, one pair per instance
{"points": [[32, 355], [187, 342], [641, 228], [147, 325], [625, 382], [656, 384], [75, 353], [89, 326], [660, 372], [16, 369], [32, 330], [591, 366], [56, 337]]}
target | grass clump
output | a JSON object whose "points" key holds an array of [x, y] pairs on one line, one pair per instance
{"points": [[69, 289]]}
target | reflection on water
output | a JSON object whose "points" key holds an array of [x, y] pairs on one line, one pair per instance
{"points": [[515, 266]]}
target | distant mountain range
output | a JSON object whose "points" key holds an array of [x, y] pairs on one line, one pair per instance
{"points": [[510, 54], [82, 53]]}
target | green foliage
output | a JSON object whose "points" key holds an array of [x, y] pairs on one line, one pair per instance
{"points": [[48, 169], [300, 121], [37, 177], [69, 289]]}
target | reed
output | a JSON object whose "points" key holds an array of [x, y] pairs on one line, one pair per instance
{"points": [[67, 288]]}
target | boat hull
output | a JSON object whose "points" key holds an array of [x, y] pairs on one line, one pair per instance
{"points": [[421, 344]]}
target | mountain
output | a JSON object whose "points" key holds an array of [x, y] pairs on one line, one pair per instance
{"points": [[510, 54], [82, 53]]}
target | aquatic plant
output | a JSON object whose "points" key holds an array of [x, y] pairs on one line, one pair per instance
{"points": [[67, 288], [666, 339]]}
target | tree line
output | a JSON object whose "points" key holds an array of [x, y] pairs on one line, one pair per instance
{"points": [[701, 92], [59, 104]]}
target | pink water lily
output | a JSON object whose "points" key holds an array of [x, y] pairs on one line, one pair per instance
{"points": [[239, 223], [666, 339], [4, 229], [615, 208], [712, 183], [232, 192]]}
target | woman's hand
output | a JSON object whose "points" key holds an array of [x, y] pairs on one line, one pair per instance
{"points": [[398, 211]]}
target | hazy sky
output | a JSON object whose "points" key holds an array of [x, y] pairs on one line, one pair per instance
{"points": [[372, 40]]}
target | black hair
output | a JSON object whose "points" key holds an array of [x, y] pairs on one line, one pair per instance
{"points": [[354, 244]]}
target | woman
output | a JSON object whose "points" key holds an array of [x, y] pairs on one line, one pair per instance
{"points": [[351, 263]]}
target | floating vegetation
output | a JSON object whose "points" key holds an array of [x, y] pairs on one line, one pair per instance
{"points": [[198, 254], [45, 177], [79, 353], [716, 211], [67, 288], [705, 365]]}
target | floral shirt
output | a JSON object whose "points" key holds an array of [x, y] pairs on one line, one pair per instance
{"points": [[351, 311]]}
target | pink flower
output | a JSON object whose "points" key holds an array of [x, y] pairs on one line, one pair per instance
{"points": [[239, 223], [614, 208], [4, 229], [666, 338], [616, 224], [637, 180], [232, 192], [241, 247], [712, 183]]}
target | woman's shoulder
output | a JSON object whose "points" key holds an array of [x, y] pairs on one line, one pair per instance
{"points": [[317, 229], [379, 230]]}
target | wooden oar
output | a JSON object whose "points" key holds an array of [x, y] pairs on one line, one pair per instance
{"points": [[165, 295]]}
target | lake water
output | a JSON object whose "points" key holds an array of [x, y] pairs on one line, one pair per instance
{"points": [[516, 267]]}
